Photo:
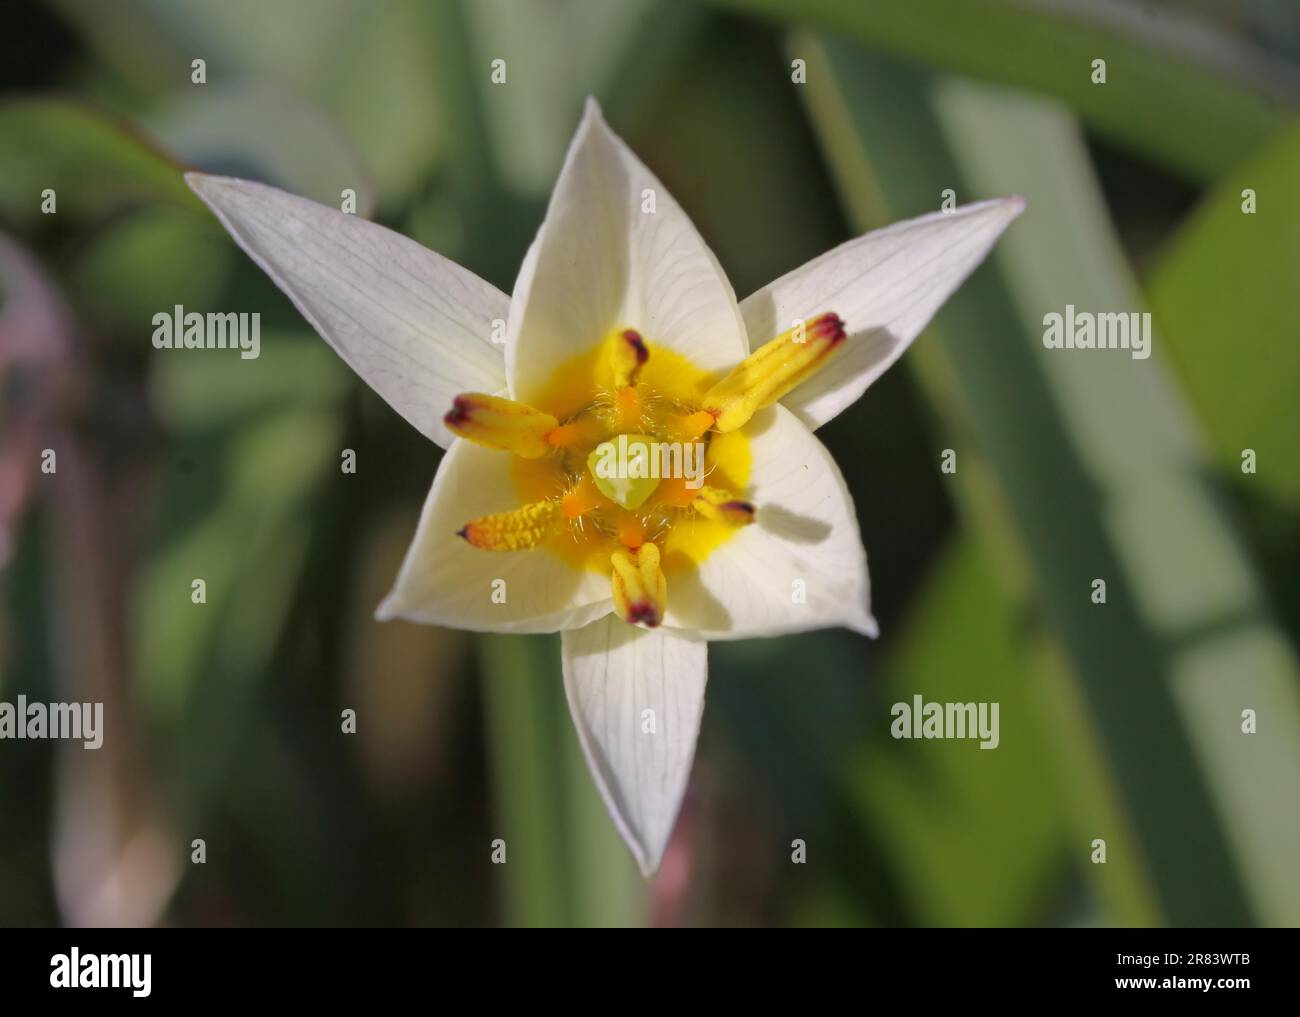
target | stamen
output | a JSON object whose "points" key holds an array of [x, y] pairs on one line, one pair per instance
{"points": [[627, 354], [501, 424], [690, 426], [576, 433], [773, 370], [723, 507], [638, 584], [517, 530], [627, 409], [674, 492]]}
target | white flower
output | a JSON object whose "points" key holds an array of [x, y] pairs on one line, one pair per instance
{"points": [[622, 322]]}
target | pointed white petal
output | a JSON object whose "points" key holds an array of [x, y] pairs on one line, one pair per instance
{"points": [[445, 581], [613, 674], [886, 285], [602, 261], [416, 327], [800, 565]]}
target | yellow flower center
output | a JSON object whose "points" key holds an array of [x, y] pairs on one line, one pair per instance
{"points": [[623, 510], [632, 461]]}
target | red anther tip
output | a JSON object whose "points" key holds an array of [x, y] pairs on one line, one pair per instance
{"points": [[828, 327], [463, 532], [634, 340], [643, 614], [459, 411], [739, 506]]}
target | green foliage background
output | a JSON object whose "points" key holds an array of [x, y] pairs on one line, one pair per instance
{"points": [[1119, 722]]}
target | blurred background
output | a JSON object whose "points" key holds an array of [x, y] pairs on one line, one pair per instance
{"points": [[782, 128]]}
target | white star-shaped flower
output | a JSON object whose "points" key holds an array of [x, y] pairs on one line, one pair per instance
{"points": [[621, 323]]}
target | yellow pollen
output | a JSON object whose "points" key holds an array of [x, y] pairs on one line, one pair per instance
{"points": [[773, 370], [638, 585], [501, 424], [517, 530]]}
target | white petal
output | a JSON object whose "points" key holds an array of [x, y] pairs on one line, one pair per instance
{"points": [[613, 674], [600, 262], [886, 285], [416, 327], [799, 566], [445, 581]]}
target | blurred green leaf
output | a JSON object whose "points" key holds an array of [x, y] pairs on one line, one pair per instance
{"points": [[1170, 84], [1095, 464], [95, 163], [146, 262], [979, 836], [234, 510], [226, 391], [1224, 295], [565, 863], [246, 545], [555, 55], [260, 133], [510, 138], [370, 65]]}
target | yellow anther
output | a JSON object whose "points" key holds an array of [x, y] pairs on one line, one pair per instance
{"points": [[502, 424], [723, 507], [517, 530], [638, 584], [627, 352], [773, 370]]}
